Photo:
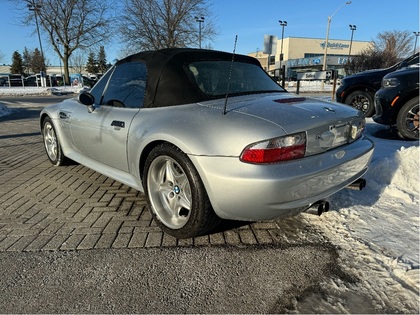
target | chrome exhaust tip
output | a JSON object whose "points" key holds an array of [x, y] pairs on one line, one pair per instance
{"points": [[358, 184], [319, 207]]}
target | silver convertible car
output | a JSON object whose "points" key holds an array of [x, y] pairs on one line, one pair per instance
{"points": [[208, 135]]}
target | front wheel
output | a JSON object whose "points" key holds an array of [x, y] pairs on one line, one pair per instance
{"points": [[408, 119], [51, 143], [176, 195], [362, 101]]}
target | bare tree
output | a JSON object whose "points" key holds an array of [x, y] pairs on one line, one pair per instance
{"points": [[366, 60], [389, 48], [70, 24], [395, 43], [157, 24], [78, 62]]}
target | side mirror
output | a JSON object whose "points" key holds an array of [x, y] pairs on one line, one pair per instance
{"points": [[86, 98]]}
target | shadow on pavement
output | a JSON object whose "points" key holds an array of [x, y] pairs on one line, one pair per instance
{"points": [[21, 113]]}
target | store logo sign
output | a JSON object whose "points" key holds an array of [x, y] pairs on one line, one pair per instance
{"points": [[332, 45]]}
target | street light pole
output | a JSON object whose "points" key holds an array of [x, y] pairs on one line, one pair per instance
{"points": [[282, 24], [324, 65], [415, 43], [35, 7], [200, 20], [352, 28]]}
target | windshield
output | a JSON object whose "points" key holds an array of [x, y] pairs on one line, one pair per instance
{"points": [[212, 78]]}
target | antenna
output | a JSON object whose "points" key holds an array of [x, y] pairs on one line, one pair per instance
{"points": [[230, 75]]}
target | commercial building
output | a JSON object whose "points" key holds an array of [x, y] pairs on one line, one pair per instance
{"points": [[307, 54]]}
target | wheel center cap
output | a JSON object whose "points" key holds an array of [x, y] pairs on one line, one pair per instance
{"points": [[177, 190]]}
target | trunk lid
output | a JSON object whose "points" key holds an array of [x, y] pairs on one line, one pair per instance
{"points": [[326, 124]]}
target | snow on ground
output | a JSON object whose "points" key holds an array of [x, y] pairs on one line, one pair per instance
{"points": [[376, 229], [29, 90], [4, 110]]}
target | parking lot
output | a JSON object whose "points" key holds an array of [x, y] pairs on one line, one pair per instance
{"points": [[73, 226], [75, 241], [73, 207]]}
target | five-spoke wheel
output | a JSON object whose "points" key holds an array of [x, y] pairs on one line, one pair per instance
{"points": [[51, 143], [175, 193], [169, 191]]}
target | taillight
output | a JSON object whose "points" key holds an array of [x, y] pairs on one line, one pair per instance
{"points": [[275, 150]]}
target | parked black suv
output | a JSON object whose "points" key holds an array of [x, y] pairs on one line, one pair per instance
{"points": [[358, 90], [397, 102]]}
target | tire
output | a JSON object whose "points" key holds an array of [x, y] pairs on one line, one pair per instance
{"points": [[362, 101], [176, 195], [51, 144], [408, 120]]}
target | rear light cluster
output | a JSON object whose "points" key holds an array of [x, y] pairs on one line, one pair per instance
{"points": [[276, 150]]}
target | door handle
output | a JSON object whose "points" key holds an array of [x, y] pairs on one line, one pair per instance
{"points": [[63, 115], [118, 123]]}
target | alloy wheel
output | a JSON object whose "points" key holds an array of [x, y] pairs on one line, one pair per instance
{"points": [[169, 192]]}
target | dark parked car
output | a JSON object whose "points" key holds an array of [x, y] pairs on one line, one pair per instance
{"points": [[208, 135], [358, 90], [397, 102]]}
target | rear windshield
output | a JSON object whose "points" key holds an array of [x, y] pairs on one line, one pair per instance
{"points": [[216, 78]]}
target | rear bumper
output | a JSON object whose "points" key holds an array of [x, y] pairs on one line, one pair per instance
{"points": [[241, 191]]}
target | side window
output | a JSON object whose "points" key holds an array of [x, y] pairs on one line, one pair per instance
{"points": [[127, 86], [99, 87]]}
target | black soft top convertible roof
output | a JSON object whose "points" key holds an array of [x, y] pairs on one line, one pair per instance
{"points": [[168, 80]]}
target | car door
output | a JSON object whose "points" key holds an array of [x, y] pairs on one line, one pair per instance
{"points": [[101, 134]]}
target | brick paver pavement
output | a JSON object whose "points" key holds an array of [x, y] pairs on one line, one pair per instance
{"points": [[43, 207]]}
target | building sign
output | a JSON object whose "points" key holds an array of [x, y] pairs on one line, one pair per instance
{"points": [[316, 61], [315, 75], [304, 62], [339, 46]]}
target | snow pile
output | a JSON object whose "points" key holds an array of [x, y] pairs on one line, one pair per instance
{"points": [[398, 174], [377, 229], [24, 91], [4, 110]]}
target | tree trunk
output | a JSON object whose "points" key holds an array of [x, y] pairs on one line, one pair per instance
{"points": [[66, 68]]}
